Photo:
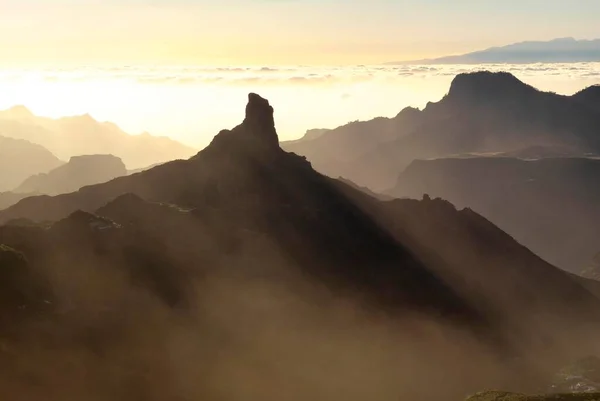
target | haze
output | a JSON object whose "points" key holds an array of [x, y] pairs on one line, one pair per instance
{"points": [[192, 104], [105, 36], [294, 200]]}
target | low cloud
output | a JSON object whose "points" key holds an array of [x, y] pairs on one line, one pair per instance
{"points": [[288, 76]]}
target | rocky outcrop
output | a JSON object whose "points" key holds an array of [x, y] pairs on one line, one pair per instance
{"points": [[256, 134]]}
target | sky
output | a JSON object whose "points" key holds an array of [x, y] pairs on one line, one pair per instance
{"points": [[183, 68], [276, 32]]}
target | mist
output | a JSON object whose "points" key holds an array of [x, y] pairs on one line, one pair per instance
{"points": [[191, 104]]}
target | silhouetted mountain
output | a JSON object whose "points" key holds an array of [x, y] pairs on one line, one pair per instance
{"points": [[80, 171], [589, 96], [22, 291], [20, 159], [563, 50], [244, 264], [82, 135], [550, 205], [483, 112]]}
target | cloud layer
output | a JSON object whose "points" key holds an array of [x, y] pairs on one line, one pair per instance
{"points": [[192, 104], [293, 75]]}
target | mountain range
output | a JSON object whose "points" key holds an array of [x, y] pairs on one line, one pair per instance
{"points": [[82, 135], [243, 273], [483, 112], [562, 50], [551, 204], [78, 172], [482, 131]]}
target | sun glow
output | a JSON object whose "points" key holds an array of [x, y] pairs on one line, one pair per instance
{"points": [[192, 103]]}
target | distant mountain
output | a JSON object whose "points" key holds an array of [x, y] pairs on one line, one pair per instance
{"points": [[242, 273], [80, 171], [550, 205], [564, 50], [312, 134], [82, 135], [483, 112], [20, 159]]}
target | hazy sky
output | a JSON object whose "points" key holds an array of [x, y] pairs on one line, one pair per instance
{"points": [[272, 32]]}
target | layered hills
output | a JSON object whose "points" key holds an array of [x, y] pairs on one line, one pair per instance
{"points": [[78, 172], [483, 112], [552, 204], [242, 273], [20, 159], [83, 135]]}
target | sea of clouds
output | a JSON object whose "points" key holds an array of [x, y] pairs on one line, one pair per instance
{"points": [[292, 75], [192, 103]]}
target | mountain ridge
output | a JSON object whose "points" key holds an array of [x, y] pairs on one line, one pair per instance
{"points": [[561, 50], [78, 172], [243, 261], [482, 112], [82, 134], [20, 159]]}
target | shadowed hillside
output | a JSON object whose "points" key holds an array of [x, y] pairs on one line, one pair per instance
{"points": [[550, 205], [242, 273], [483, 112]]}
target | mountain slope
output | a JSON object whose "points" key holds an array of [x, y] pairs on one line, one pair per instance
{"points": [[589, 96], [563, 50], [550, 205], [80, 171], [483, 112], [82, 135], [245, 173], [20, 159], [242, 273]]}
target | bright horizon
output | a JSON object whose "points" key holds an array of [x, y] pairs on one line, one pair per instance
{"points": [[138, 63], [275, 32], [192, 104]]}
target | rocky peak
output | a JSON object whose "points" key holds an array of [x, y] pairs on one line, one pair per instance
{"points": [[259, 120], [486, 86], [257, 132]]}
